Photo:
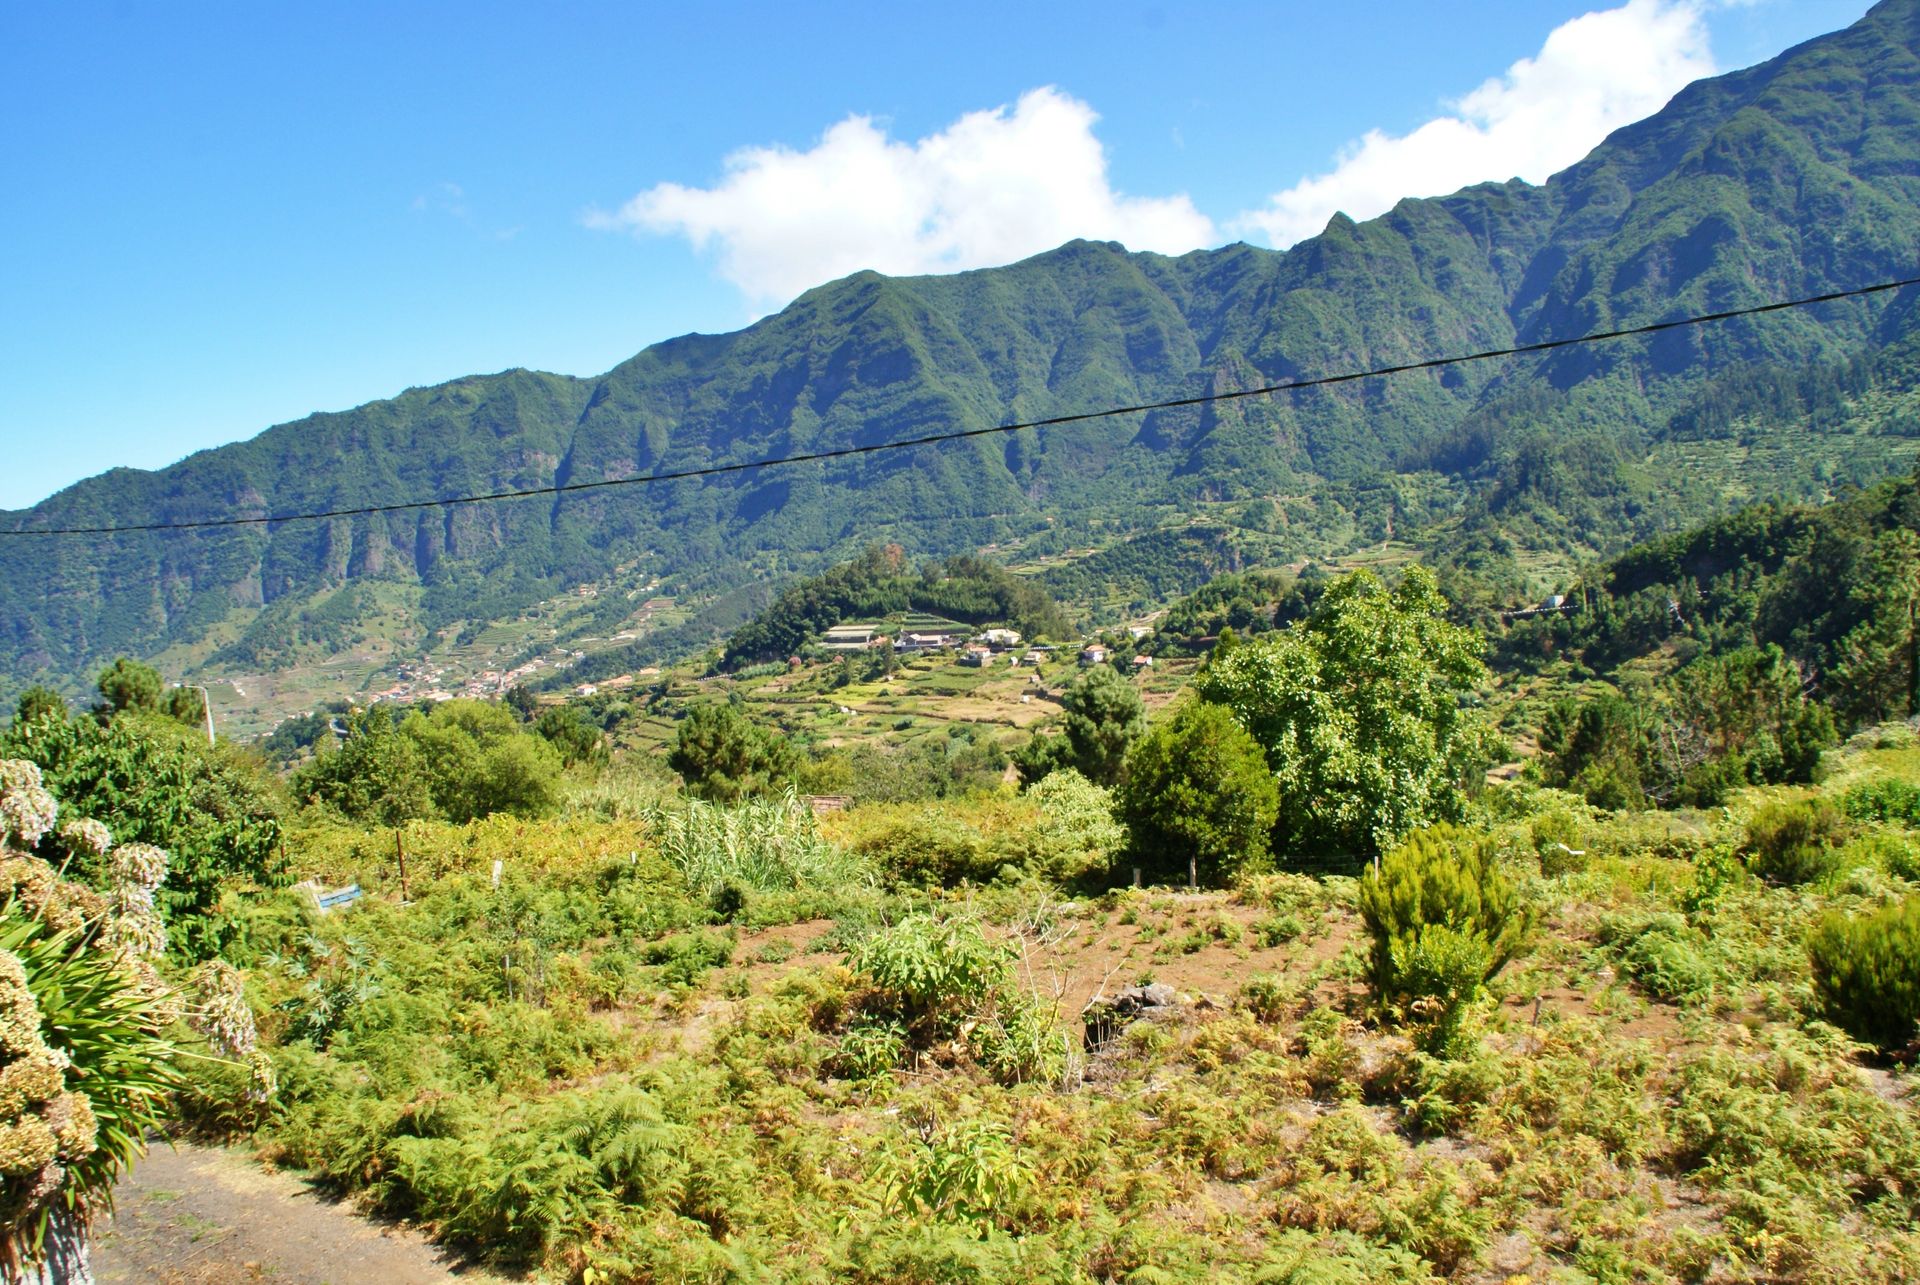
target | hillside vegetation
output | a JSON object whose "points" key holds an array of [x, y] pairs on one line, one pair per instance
{"points": [[1267, 980], [1790, 178]]}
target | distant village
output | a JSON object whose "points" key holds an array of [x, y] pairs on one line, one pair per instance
{"points": [[979, 650], [425, 682]]}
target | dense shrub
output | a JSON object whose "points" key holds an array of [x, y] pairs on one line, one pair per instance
{"points": [[724, 756], [148, 780], [1057, 835], [685, 958], [1078, 834], [1443, 920], [462, 760], [1886, 799], [1866, 972], [934, 970], [1596, 748], [963, 761], [1199, 799], [568, 729], [1662, 952], [1795, 843]]}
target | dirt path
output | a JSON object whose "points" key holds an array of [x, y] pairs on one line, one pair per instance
{"points": [[203, 1216]]}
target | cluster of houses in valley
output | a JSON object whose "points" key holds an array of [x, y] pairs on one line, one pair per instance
{"points": [[979, 650], [428, 683]]}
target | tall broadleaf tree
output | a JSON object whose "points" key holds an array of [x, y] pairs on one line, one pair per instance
{"points": [[1365, 711]]}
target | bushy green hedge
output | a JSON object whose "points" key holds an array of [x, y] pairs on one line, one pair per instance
{"points": [[150, 780], [1200, 799], [1866, 973]]}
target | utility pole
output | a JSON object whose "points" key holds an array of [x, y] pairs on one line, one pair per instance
{"points": [[206, 705]]}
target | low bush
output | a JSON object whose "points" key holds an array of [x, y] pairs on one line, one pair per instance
{"points": [[685, 958], [1277, 930], [1443, 919], [934, 978], [1269, 997], [1555, 837], [1866, 973], [1053, 832], [934, 971], [1795, 843], [1662, 952], [1886, 799], [1882, 850]]}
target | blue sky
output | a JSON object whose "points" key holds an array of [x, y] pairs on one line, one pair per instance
{"points": [[220, 217]]}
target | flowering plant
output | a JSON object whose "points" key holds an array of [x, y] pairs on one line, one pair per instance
{"points": [[87, 1069]]}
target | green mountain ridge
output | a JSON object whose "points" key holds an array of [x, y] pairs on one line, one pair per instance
{"points": [[1794, 177]]}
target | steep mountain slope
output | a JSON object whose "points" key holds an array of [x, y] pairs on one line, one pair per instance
{"points": [[1793, 177]]}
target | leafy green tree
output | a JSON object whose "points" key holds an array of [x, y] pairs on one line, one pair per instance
{"points": [[1723, 721], [376, 776], [184, 705], [151, 781], [1104, 717], [39, 702], [570, 732], [1598, 748], [722, 756], [518, 774], [127, 684], [1872, 670], [1363, 710], [1749, 710], [521, 700], [1041, 756], [1198, 798], [480, 760]]}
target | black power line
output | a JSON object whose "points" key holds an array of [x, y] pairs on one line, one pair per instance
{"points": [[1322, 381]]}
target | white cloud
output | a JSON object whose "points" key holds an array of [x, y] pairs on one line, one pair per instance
{"points": [[993, 187], [1594, 74]]}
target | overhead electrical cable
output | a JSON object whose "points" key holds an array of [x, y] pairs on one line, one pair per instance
{"points": [[932, 439]]}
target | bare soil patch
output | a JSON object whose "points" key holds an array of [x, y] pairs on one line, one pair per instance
{"points": [[197, 1215]]}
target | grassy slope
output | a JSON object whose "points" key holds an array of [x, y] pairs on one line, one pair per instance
{"points": [[558, 1072]]}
